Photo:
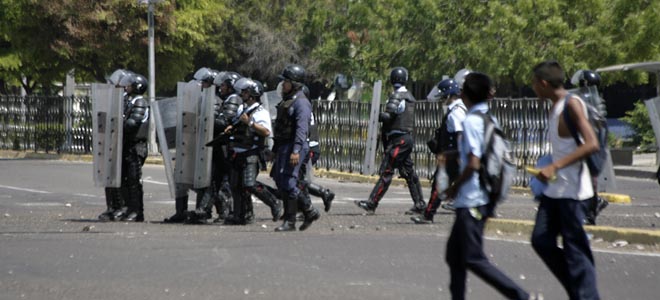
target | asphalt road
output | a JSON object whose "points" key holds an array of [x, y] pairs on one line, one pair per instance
{"points": [[51, 247]]}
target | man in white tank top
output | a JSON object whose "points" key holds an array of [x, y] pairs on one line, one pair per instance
{"points": [[560, 210]]}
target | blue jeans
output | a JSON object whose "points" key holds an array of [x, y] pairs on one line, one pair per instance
{"points": [[564, 217]]}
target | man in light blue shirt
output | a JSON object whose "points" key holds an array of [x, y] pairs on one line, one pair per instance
{"points": [[465, 243]]}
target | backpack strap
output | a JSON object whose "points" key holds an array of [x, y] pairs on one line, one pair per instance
{"points": [[569, 122]]}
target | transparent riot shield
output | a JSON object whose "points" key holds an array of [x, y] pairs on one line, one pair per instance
{"points": [[270, 100], [107, 131], [188, 95], [204, 128], [164, 112]]}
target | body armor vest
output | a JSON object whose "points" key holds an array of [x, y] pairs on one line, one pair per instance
{"points": [[136, 109], [245, 138], [284, 125], [448, 140], [404, 121]]}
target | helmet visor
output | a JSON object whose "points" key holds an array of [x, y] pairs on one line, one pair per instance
{"points": [[116, 76]]}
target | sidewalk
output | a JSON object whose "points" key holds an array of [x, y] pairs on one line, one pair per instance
{"points": [[643, 166]]}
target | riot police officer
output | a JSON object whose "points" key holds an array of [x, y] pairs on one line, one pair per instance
{"points": [[291, 147], [396, 134], [113, 195], [226, 110], [445, 146], [136, 131], [248, 134], [206, 197], [587, 82]]}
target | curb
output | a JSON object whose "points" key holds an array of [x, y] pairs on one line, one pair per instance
{"points": [[607, 233], [635, 173], [610, 197]]}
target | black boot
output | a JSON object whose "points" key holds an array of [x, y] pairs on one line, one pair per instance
{"points": [[287, 226], [310, 213], [415, 189], [367, 205], [181, 205], [325, 194], [426, 218], [135, 203], [113, 202], [203, 207], [290, 209], [264, 194]]}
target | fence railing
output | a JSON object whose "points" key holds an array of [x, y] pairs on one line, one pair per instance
{"points": [[50, 124], [63, 125]]}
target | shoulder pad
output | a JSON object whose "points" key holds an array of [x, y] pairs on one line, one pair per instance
{"points": [[234, 99], [140, 101]]}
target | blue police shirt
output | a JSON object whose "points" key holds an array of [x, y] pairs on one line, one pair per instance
{"points": [[471, 194], [302, 111]]}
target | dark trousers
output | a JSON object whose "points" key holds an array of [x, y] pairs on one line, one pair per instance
{"points": [[286, 178], [574, 264], [452, 169], [133, 157], [465, 252], [397, 156]]}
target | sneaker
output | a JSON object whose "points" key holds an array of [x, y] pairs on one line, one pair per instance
{"points": [[366, 205], [415, 210], [448, 206]]}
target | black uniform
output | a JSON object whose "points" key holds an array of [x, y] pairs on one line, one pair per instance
{"points": [[398, 143], [136, 131], [245, 147]]}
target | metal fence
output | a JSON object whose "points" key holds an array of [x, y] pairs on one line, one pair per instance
{"points": [[63, 125], [50, 124], [343, 127]]}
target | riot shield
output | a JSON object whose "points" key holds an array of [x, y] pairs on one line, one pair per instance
{"points": [[164, 112], [107, 131], [204, 128], [270, 100], [188, 95]]}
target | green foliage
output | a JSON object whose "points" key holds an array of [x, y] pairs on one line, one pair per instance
{"points": [[641, 123], [42, 40]]}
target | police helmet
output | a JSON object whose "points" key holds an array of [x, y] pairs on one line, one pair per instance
{"points": [[136, 81], [205, 75], [460, 77], [229, 78], [341, 82], [293, 72], [447, 88], [584, 78], [399, 76], [253, 87]]}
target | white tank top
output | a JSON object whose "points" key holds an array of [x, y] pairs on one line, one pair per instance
{"points": [[573, 181]]}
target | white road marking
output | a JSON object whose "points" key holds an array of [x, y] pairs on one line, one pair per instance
{"points": [[622, 252], [23, 189], [86, 195], [154, 182], [35, 204]]}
